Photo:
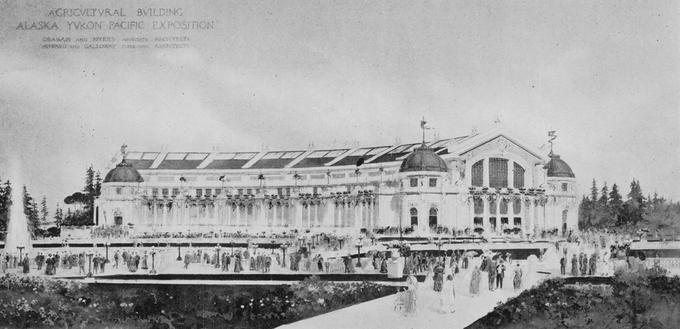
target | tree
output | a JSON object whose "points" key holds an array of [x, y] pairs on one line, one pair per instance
{"points": [[58, 216], [43, 211], [97, 184], [604, 196], [593, 192], [5, 203], [32, 214]]}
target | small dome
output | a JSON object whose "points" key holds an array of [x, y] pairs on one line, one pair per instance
{"points": [[558, 168], [123, 173], [423, 159]]}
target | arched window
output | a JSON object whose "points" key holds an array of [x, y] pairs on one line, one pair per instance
{"points": [[479, 205], [433, 217], [498, 172], [564, 222], [414, 216], [518, 176], [517, 206], [478, 173], [504, 207]]}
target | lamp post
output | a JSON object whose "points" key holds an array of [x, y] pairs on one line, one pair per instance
{"points": [[107, 250], [89, 260], [359, 254], [179, 255], [153, 261], [217, 249], [21, 249], [284, 246]]}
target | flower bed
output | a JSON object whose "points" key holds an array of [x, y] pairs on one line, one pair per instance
{"points": [[39, 302], [647, 299]]}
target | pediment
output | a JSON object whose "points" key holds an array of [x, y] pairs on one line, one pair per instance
{"points": [[498, 145]]}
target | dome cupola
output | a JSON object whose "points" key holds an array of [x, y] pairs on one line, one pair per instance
{"points": [[123, 173], [558, 168], [423, 159]]}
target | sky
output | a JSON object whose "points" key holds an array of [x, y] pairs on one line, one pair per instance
{"points": [[283, 74]]}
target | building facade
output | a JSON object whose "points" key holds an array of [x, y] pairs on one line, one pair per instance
{"points": [[486, 181]]}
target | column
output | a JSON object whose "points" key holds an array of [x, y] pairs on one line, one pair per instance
{"points": [[298, 215], [485, 219], [485, 174]]}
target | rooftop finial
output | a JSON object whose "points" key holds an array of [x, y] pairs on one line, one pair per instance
{"points": [[551, 137], [424, 126], [498, 119], [123, 151]]}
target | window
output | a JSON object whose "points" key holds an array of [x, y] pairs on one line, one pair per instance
{"points": [[433, 217], [118, 220], [288, 191], [199, 192], [492, 207], [165, 191], [414, 216], [492, 223], [279, 191], [119, 190], [433, 182], [208, 192], [498, 172], [517, 221], [414, 182], [478, 173], [564, 187], [218, 192], [478, 221], [154, 192], [504, 207], [316, 190], [517, 206], [518, 176], [240, 191], [249, 191], [479, 206], [175, 191]]}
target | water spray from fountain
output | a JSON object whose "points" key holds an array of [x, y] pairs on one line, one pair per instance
{"points": [[18, 235]]}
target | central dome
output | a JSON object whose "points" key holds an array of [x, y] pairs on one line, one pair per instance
{"points": [[123, 173], [423, 159]]}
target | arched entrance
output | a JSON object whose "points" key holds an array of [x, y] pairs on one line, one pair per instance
{"points": [[564, 222], [433, 217], [414, 216]]}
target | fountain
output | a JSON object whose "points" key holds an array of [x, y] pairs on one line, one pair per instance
{"points": [[18, 236]]}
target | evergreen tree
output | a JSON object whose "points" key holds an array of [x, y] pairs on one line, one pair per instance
{"points": [[58, 216], [43, 211], [89, 189], [604, 196], [584, 220], [32, 214], [615, 199], [97, 184], [5, 202], [593, 192]]}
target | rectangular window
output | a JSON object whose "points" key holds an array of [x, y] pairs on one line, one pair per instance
{"points": [[517, 221], [199, 192], [414, 182], [249, 191], [433, 182], [479, 221], [288, 191], [165, 191], [504, 207], [119, 190], [279, 191], [498, 172], [564, 187], [175, 191], [240, 191], [154, 192], [208, 192], [218, 192], [492, 207], [316, 190], [518, 176]]}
